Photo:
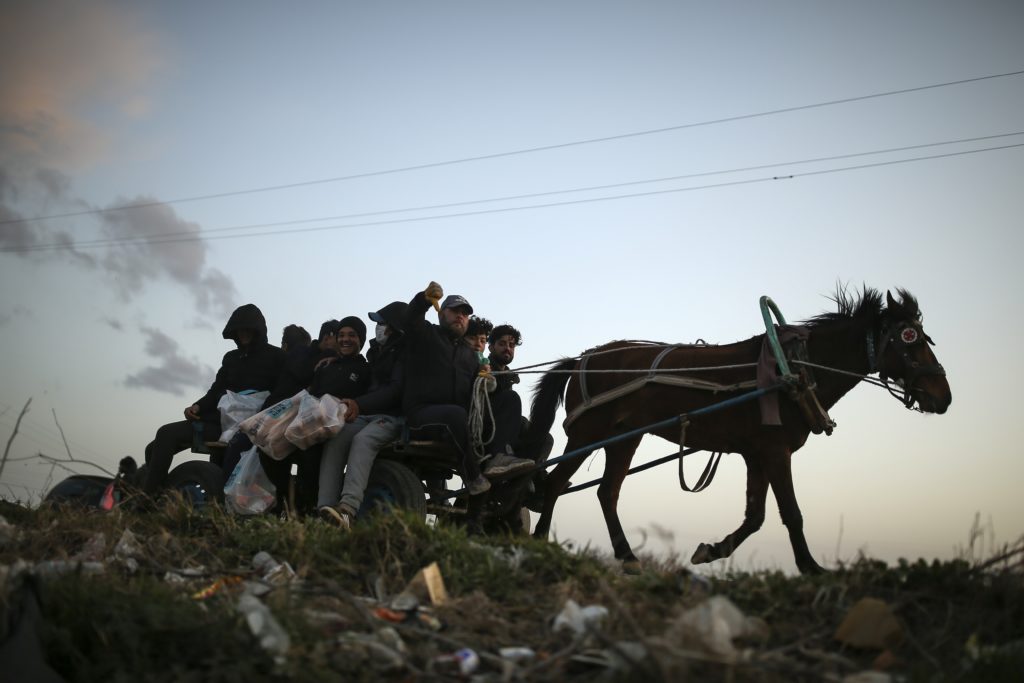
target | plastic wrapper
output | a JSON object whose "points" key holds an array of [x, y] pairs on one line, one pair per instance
{"points": [[267, 428], [249, 490], [317, 420], [235, 407]]}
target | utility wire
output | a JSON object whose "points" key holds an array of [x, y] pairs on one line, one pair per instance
{"points": [[529, 150], [651, 193], [149, 239]]}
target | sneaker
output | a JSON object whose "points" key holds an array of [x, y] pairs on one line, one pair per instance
{"points": [[501, 466], [338, 516], [479, 485]]}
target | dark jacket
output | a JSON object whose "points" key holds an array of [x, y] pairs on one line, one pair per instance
{"points": [[256, 367], [387, 374], [504, 382], [346, 377], [297, 372], [439, 369]]}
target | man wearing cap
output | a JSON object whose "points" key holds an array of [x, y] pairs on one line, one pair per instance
{"points": [[379, 422], [440, 371]]}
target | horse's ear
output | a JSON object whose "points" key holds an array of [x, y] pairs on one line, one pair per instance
{"points": [[889, 301]]}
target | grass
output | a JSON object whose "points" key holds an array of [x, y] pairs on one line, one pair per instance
{"points": [[963, 620]]}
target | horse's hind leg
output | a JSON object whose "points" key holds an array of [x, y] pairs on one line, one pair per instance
{"points": [[753, 517], [617, 459], [554, 484], [780, 476]]}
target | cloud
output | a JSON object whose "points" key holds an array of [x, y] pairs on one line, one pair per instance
{"points": [[183, 260], [18, 311], [173, 373], [113, 323], [60, 57], [73, 72]]}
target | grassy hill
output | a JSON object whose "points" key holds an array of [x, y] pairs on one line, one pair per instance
{"points": [[173, 595]]}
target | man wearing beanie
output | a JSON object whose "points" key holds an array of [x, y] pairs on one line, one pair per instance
{"points": [[346, 376], [379, 422]]}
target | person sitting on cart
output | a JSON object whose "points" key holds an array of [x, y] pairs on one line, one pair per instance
{"points": [[440, 372], [301, 358], [477, 331], [255, 364], [502, 344], [343, 375], [379, 422]]}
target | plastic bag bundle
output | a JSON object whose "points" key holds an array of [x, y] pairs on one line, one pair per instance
{"points": [[317, 420], [249, 490], [267, 428], [237, 406]]}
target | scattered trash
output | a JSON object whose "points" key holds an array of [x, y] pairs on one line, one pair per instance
{"points": [[8, 532], [619, 659], [388, 614], [127, 550], [384, 647], [404, 602], [93, 550], [272, 637], [577, 619], [181, 575], [273, 572], [464, 661], [519, 655], [871, 625], [428, 585], [217, 586], [713, 624]]}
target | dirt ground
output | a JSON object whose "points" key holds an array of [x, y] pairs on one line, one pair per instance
{"points": [[180, 595]]}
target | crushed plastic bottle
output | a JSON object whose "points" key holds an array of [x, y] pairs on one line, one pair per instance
{"points": [[464, 661], [273, 572], [271, 635]]}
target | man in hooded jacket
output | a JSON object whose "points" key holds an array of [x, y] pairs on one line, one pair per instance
{"points": [[255, 364]]}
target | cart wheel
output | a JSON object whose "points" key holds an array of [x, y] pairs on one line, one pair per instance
{"points": [[201, 483], [79, 489], [392, 484]]}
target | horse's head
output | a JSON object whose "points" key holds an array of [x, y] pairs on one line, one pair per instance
{"points": [[904, 354]]}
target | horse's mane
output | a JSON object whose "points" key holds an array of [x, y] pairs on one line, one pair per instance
{"points": [[850, 305]]}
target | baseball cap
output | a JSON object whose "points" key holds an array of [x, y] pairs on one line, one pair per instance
{"points": [[455, 301]]}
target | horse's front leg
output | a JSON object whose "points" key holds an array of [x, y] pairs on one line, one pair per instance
{"points": [[617, 459], [554, 485], [753, 516], [777, 466]]}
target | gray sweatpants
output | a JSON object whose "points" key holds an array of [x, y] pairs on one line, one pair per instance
{"points": [[352, 451]]}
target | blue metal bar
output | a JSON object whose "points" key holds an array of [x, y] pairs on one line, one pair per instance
{"points": [[634, 470]]}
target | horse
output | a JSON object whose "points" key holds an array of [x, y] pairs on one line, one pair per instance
{"points": [[624, 386]]}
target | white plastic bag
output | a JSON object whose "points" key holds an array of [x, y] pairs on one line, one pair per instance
{"points": [[249, 490], [237, 406], [266, 428], [318, 420]]}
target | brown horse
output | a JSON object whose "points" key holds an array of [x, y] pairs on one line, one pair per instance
{"points": [[862, 338]]}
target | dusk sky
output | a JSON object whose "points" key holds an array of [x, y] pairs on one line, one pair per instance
{"points": [[587, 171]]}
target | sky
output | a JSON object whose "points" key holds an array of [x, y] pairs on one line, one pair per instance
{"points": [[587, 171]]}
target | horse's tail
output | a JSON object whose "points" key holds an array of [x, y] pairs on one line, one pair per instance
{"points": [[547, 396]]}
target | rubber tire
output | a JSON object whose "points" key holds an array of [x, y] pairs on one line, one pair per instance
{"points": [[201, 475], [84, 490], [392, 484]]}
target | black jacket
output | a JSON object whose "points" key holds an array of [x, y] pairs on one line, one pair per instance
{"points": [[439, 369], [504, 382], [297, 372], [346, 377], [387, 374], [256, 366]]}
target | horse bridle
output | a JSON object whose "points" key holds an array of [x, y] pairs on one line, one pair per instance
{"points": [[902, 336]]}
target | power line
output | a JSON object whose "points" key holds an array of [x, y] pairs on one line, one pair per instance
{"points": [[529, 150], [151, 239], [651, 193]]}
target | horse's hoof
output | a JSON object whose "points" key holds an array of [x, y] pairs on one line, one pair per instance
{"points": [[632, 567], [702, 555]]}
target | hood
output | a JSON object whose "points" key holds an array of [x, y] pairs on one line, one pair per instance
{"points": [[392, 315], [250, 317]]}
